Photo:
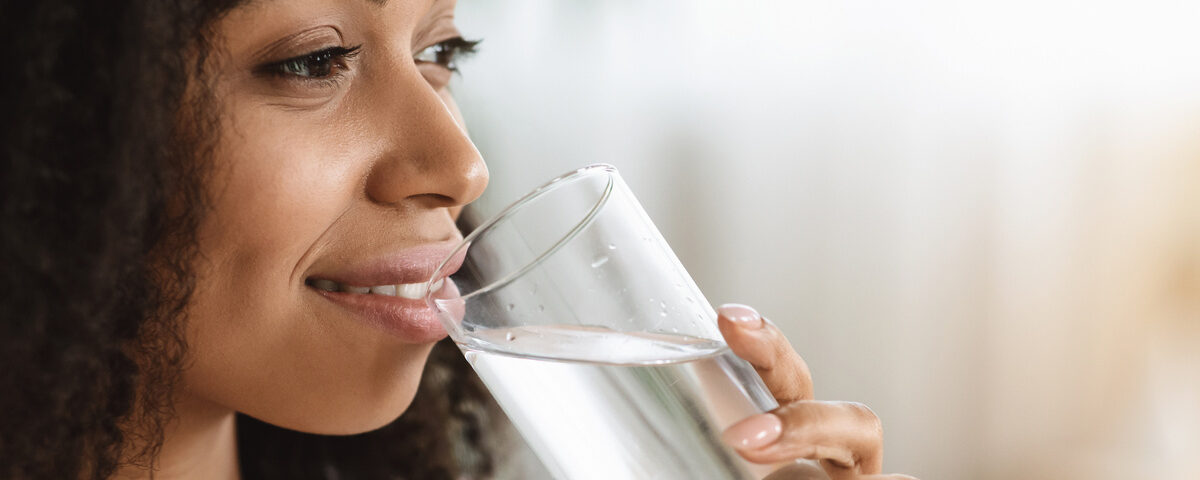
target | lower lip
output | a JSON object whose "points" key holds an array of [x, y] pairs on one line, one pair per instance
{"points": [[412, 321]]}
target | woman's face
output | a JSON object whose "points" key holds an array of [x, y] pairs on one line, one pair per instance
{"points": [[342, 162]]}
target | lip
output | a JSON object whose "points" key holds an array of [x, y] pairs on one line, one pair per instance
{"points": [[411, 265], [410, 320]]}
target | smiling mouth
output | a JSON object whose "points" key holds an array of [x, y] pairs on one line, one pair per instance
{"points": [[413, 291]]}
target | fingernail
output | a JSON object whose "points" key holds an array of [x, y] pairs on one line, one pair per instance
{"points": [[754, 432], [741, 315]]}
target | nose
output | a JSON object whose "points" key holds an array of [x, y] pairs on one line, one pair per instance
{"points": [[426, 159]]}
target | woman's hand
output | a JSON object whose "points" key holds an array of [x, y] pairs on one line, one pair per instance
{"points": [[846, 438]]}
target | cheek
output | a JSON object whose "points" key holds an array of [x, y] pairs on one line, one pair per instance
{"points": [[261, 342], [274, 191]]}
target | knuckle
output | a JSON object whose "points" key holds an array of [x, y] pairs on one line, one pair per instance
{"points": [[865, 415], [806, 451]]}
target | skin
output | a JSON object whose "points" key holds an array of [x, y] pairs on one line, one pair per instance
{"points": [[314, 173], [844, 439]]}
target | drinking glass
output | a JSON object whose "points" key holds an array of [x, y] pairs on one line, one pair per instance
{"points": [[593, 338]]}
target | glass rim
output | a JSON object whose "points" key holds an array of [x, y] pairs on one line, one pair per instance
{"points": [[512, 208]]}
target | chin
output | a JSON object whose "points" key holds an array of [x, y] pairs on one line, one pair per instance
{"points": [[347, 409], [361, 421]]}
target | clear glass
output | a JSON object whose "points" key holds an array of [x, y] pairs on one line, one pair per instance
{"points": [[593, 338]]}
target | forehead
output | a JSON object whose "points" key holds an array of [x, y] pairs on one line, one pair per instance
{"points": [[257, 22], [421, 8]]}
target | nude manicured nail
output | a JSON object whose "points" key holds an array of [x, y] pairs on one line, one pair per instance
{"points": [[741, 315], [754, 432]]}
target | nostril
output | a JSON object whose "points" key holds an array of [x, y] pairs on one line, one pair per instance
{"points": [[434, 200], [395, 185]]}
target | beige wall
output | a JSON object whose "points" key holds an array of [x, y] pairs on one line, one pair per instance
{"points": [[980, 218]]}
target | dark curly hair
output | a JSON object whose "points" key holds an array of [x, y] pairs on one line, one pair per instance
{"points": [[105, 154]]}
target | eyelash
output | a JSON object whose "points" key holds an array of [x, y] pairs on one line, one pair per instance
{"points": [[329, 62], [447, 52]]}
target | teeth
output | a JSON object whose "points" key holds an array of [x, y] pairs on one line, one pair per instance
{"points": [[411, 290], [414, 291], [389, 290]]}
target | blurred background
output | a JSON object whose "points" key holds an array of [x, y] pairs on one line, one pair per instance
{"points": [[981, 218]]}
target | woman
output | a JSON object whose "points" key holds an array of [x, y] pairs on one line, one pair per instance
{"points": [[180, 176]]}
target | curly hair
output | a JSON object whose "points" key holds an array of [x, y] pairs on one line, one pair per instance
{"points": [[105, 155]]}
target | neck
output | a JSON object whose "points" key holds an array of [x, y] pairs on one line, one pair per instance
{"points": [[199, 443]]}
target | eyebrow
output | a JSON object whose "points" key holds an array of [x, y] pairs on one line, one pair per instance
{"points": [[383, 3]]}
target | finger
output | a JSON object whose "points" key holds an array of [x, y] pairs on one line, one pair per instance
{"points": [[894, 476], [762, 344], [845, 435]]}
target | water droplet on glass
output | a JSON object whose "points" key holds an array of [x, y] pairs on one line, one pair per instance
{"points": [[511, 307], [612, 247], [689, 299], [509, 336], [541, 308], [663, 313], [601, 260], [662, 305], [674, 330]]}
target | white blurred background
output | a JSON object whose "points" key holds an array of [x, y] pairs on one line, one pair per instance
{"points": [[981, 218]]}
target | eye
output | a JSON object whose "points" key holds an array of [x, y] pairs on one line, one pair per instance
{"points": [[447, 52], [321, 64]]}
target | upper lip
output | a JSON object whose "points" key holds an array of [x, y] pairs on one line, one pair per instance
{"points": [[410, 265]]}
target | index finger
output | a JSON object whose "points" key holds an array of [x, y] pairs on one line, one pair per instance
{"points": [[762, 344]]}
